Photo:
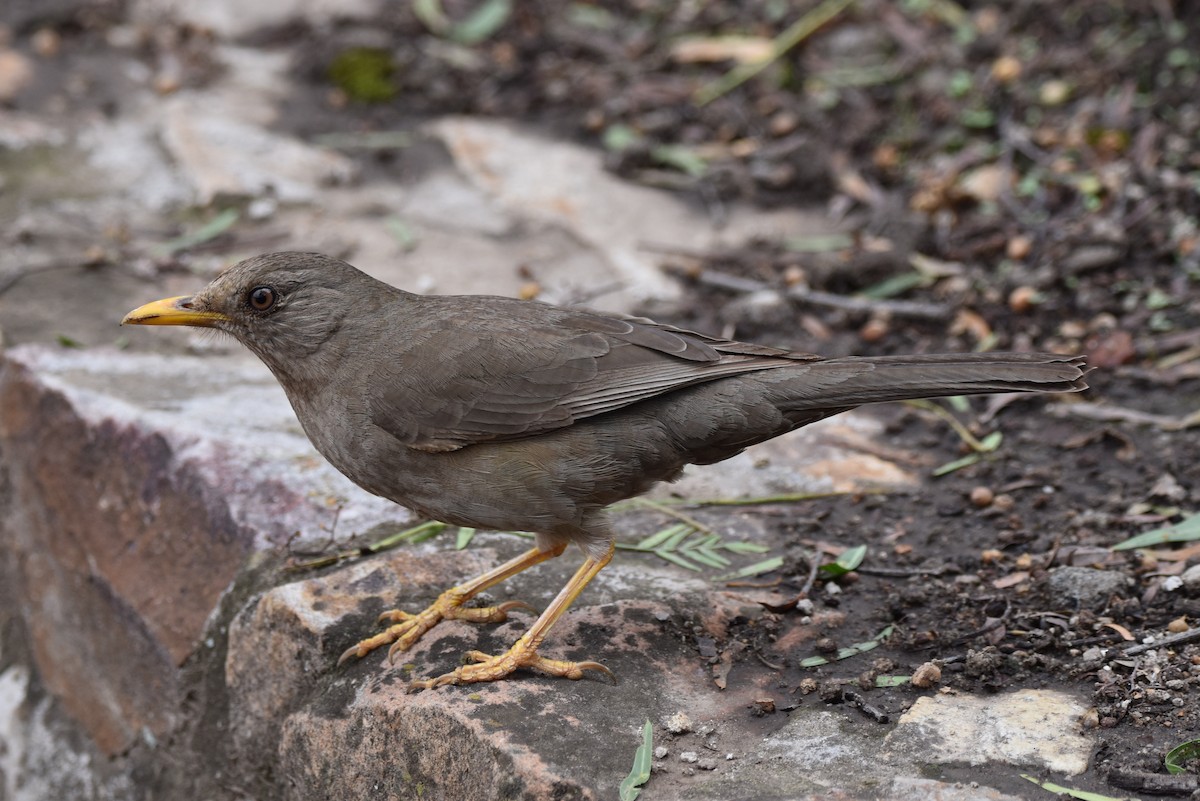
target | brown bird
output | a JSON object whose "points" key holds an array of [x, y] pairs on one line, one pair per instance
{"points": [[506, 414]]}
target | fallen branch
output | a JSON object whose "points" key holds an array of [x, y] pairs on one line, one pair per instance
{"points": [[886, 306], [1121, 414]]}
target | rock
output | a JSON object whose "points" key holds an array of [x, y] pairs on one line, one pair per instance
{"points": [[19, 131], [1191, 578], [564, 184], [1035, 728], [123, 530], [222, 156], [1085, 586], [127, 152], [16, 72], [282, 641], [233, 19]]}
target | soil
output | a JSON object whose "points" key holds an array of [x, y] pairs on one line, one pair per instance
{"points": [[1006, 179]]}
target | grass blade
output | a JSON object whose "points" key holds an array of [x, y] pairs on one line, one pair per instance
{"points": [[640, 774]]}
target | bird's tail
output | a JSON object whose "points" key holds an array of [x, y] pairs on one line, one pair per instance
{"points": [[852, 381]]}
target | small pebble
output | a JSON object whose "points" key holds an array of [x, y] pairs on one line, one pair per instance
{"points": [[926, 675], [1054, 93], [764, 706], [886, 157], [1003, 502], [46, 42], [1006, 69], [661, 752], [783, 123], [982, 497], [1022, 299], [794, 274], [991, 556], [707, 764], [874, 330], [1019, 247], [679, 723], [1178, 625], [689, 756]]}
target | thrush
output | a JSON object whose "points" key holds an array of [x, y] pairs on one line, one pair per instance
{"points": [[507, 414]]}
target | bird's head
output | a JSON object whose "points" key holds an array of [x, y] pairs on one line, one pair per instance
{"points": [[285, 307]]}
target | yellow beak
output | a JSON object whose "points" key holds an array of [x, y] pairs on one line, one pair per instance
{"points": [[173, 311]]}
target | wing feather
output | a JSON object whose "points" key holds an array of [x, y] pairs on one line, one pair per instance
{"points": [[514, 369]]}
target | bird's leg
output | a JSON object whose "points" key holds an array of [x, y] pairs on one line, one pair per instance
{"points": [[407, 628], [484, 667]]}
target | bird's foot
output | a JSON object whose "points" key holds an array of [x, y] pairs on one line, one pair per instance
{"points": [[485, 667], [407, 628]]}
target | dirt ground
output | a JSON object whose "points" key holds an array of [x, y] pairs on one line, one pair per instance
{"points": [[1006, 178]]}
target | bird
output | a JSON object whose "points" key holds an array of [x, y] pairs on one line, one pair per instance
{"points": [[517, 415]]}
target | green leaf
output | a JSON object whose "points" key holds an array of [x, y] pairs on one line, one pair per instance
{"points": [[849, 561], [67, 342], [1082, 795], [210, 230], [756, 569], [959, 403], [671, 556], [640, 774], [618, 138], [405, 234], [896, 285], [705, 556], [583, 15], [430, 13], [795, 33], [415, 534], [991, 442], [365, 74], [1187, 530], [850, 650], [745, 547], [659, 537], [673, 541], [465, 535], [957, 464], [1184, 752], [892, 681], [681, 158], [818, 243], [483, 22]]}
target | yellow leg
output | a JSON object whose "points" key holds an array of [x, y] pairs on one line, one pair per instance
{"points": [[408, 628], [524, 653]]}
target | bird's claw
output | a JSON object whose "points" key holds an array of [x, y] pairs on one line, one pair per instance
{"points": [[407, 627], [482, 667]]}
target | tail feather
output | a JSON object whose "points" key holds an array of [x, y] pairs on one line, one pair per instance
{"points": [[853, 381]]}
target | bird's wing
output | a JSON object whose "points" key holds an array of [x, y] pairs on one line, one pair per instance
{"points": [[533, 368]]}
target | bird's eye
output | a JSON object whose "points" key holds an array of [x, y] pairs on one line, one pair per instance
{"points": [[261, 298]]}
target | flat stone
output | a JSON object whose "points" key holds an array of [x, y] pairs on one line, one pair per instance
{"points": [[16, 72], [227, 157], [1085, 586], [1032, 728], [19, 130], [128, 153], [233, 19], [132, 505], [565, 184]]}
